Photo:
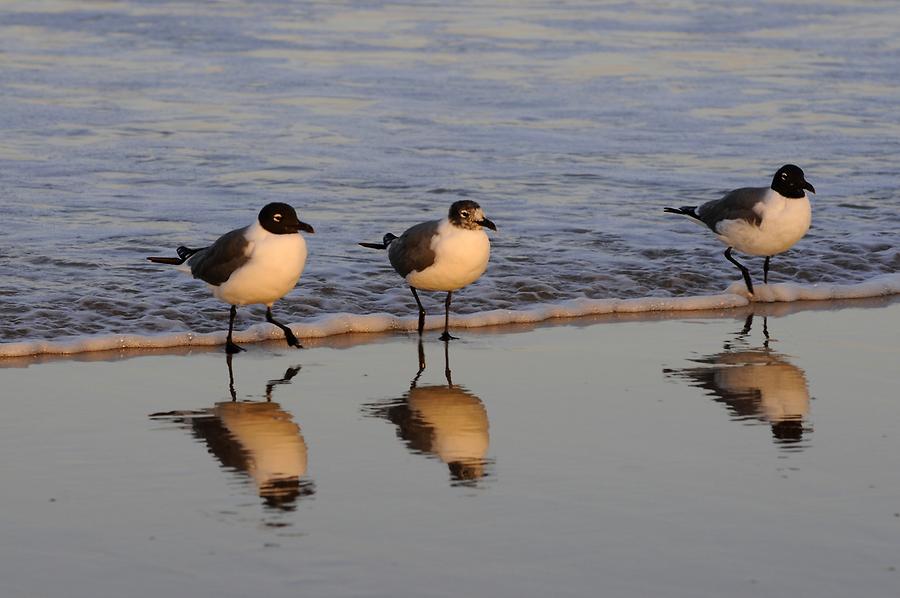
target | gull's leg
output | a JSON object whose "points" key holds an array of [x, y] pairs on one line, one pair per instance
{"points": [[230, 346], [744, 272], [288, 333], [421, 310], [446, 336]]}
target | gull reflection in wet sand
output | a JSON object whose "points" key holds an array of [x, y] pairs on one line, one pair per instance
{"points": [[443, 421], [756, 384], [258, 439]]}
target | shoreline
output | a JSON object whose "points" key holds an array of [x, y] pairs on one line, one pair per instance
{"points": [[265, 336]]}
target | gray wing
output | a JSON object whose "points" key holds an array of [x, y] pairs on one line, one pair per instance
{"points": [[737, 205], [412, 252], [216, 263]]}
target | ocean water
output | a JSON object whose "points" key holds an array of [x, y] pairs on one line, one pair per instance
{"points": [[132, 127]]}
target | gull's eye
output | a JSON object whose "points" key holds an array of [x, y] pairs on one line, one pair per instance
{"points": [[277, 217], [464, 214]]}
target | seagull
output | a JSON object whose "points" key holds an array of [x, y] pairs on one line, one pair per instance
{"points": [[441, 255], [259, 263], [757, 220]]}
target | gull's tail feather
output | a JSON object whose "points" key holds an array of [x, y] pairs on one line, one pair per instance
{"points": [[388, 238], [183, 254], [684, 211]]}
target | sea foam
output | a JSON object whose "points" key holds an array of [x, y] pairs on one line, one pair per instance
{"points": [[343, 323]]}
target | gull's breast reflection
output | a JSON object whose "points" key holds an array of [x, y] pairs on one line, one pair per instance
{"points": [[450, 423], [768, 384], [257, 439], [444, 422], [260, 440], [273, 447], [757, 384]]}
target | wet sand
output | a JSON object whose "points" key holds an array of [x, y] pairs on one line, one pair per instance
{"points": [[677, 455]]}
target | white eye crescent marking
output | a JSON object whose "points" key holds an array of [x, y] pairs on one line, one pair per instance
{"points": [[277, 217], [464, 214]]}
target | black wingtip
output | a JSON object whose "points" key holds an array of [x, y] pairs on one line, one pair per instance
{"points": [[185, 252], [385, 243], [683, 211], [174, 261]]}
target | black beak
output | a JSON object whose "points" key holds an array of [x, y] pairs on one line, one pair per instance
{"points": [[488, 224], [297, 226], [807, 186]]}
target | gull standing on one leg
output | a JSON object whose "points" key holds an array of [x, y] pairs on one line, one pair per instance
{"points": [[259, 263], [758, 220], [441, 255]]}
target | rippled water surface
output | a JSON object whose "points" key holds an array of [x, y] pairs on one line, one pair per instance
{"points": [[133, 127]]}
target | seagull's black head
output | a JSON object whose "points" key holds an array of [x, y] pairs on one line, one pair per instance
{"points": [[467, 214], [789, 182], [281, 219]]}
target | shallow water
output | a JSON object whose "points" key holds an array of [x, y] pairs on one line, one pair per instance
{"points": [[684, 457], [133, 127]]}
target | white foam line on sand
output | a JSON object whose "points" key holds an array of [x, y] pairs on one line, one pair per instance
{"points": [[334, 324]]}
